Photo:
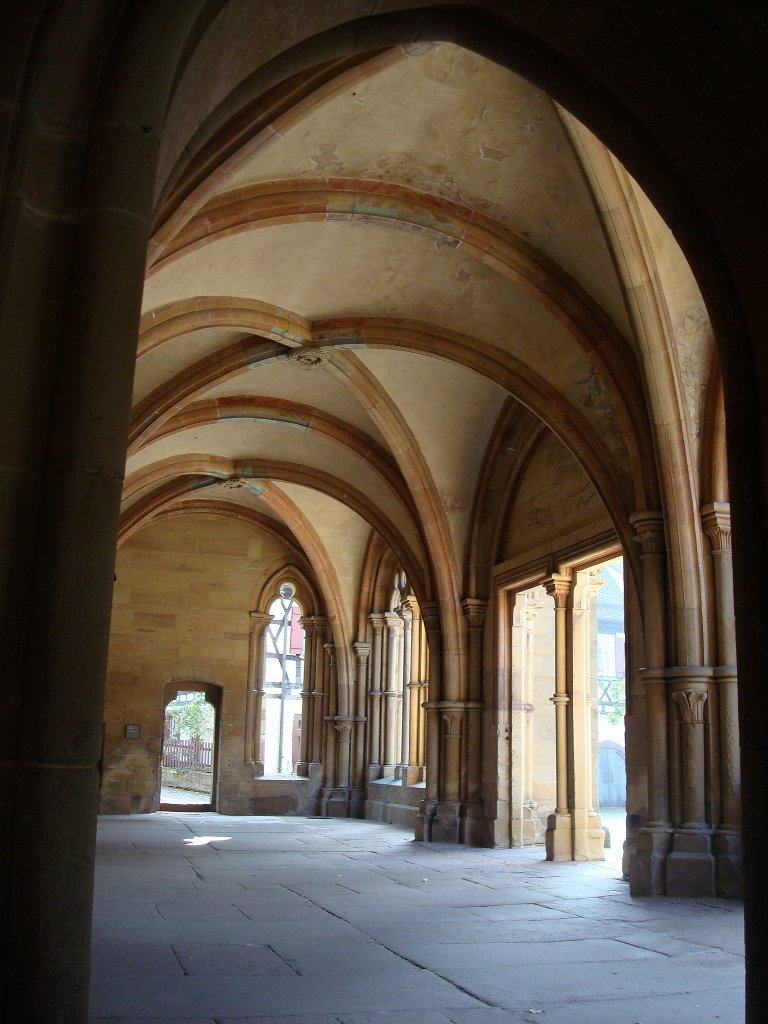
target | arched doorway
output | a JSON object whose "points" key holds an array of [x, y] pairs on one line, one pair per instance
{"points": [[188, 756]]}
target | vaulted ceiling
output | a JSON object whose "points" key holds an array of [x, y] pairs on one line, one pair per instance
{"points": [[361, 314]]}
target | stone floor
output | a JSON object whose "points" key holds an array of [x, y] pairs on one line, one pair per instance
{"points": [[174, 795], [202, 918]]}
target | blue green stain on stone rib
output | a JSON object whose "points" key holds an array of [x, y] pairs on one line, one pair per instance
{"points": [[339, 366], [283, 333], [271, 417], [411, 216]]}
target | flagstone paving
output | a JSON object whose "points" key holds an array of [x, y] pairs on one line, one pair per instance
{"points": [[201, 918]]}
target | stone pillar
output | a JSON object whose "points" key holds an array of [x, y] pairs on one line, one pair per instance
{"points": [[407, 767], [411, 694], [374, 708], [452, 719], [653, 839], [343, 741], [392, 695], [363, 652], [254, 696], [329, 713], [432, 724], [315, 749], [690, 865], [559, 837], [716, 520], [307, 624], [474, 610]]}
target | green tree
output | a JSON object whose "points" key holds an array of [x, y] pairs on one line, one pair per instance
{"points": [[192, 719]]}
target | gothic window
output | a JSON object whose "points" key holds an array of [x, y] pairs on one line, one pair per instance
{"points": [[283, 677]]}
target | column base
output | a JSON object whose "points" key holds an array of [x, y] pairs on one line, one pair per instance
{"points": [[422, 831], [559, 837], [374, 772], [440, 821], [647, 868], [528, 829], [341, 802], [690, 865], [408, 774], [726, 846], [302, 769], [478, 828]]}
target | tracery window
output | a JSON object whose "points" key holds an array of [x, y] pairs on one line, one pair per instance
{"points": [[283, 676]]}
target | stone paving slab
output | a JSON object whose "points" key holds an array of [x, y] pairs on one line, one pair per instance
{"points": [[215, 960], [718, 1007], [320, 921], [226, 997], [443, 958], [543, 986]]}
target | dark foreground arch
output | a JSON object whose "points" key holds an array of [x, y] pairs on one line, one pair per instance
{"points": [[677, 91]]}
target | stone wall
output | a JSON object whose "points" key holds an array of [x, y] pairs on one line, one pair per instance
{"points": [[183, 594]]}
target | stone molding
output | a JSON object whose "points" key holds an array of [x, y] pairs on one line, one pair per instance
{"points": [[474, 609], [716, 523], [690, 705], [649, 531], [558, 586]]}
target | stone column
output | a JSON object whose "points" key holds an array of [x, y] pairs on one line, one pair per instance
{"points": [[343, 741], [307, 624], [716, 520], [329, 712], [691, 866], [412, 695], [254, 696], [452, 734], [432, 724], [559, 838], [363, 652], [374, 708], [406, 614], [393, 694], [474, 610], [318, 688], [653, 840]]}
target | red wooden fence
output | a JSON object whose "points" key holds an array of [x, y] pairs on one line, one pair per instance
{"points": [[196, 755]]}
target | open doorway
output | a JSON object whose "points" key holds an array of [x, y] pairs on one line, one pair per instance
{"points": [[188, 755], [611, 705]]}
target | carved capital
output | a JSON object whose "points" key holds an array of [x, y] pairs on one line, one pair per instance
{"points": [[690, 705], [474, 609], [319, 625], [452, 720], [377, 622], [558, 586], [406, 614], [259, 622], [649, 527], [716, 523], [363, 650], [344, 729], [430, 614], [394, 624], [330, 652]]}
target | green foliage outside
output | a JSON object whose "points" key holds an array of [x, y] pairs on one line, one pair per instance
{"points": [[617, 693], [192, 719]]}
